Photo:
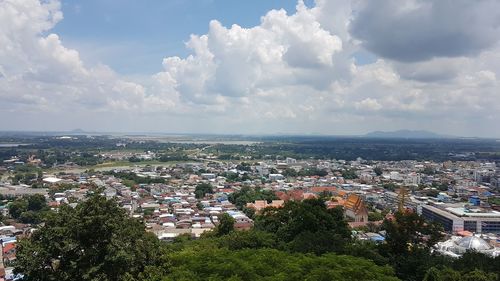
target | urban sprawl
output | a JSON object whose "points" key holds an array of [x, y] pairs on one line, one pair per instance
{"points": [[187, 197]]}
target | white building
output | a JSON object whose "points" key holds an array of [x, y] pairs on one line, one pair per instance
{"points": [[457, 246]]}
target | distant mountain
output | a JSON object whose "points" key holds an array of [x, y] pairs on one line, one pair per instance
{"points": [[77, 131], [405, 134]]}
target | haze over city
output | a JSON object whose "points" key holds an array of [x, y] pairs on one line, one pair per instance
{"points": [[253, 67]]}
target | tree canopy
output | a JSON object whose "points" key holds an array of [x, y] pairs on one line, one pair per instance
{"points": [[247, 194], [269, 264], [202, 189], [96, 240], [306, 226]]}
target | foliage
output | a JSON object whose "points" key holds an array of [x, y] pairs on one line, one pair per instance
{"points": [[408, 231], [249, 239], [132, 179], [349, 174], [390, 186], [375, 216], [247, 194], [429, 170], [202, 189], [225, 226], [312, 172], [28, 209], [448, 274], [494, 200], [378, 171], [268, 264], [473, 260], [306, 226], [289, 172], [244, 166], [94, 241], [407, 244]]}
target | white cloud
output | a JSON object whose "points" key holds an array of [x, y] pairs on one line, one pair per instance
{"points": [[291, 73]]}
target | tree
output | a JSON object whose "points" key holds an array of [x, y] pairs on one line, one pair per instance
{"points": [[96, 240], [268, 264], [306, 226], [36, 202], [448, 274], [226, 225], [445, 274], [28, 209], [375, 216], [408, 241], [247, 194], [349, 174], [408, 231], [202, 189], [390, 186], [378, 171], [429, 170]]}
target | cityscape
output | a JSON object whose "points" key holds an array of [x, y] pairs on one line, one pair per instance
{"points": [[182, 187], [222, 140]]}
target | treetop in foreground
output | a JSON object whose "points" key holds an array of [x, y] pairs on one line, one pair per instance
{"points": [[96, 240]]}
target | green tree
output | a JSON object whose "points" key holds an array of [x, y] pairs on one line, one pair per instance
{"points": [[349, 174], [429, 170], [247, 194], [408, 231], [375, 216], [306, 226], [225, 226], [448, 274], [96, 240], [390, 186], [407, 245], [36, 202], [267, 264], [202, 189], [28, 209], [445, 274], [17, 207]]}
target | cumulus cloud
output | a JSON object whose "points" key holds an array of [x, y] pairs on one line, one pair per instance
{"points": [[293, 72], [40, 74]]}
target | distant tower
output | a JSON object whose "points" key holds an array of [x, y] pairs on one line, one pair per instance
{"points": [[402, 197]]}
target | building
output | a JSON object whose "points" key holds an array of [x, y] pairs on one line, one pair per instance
{"points": [[355, 209], [460, 218], [457, 246]]}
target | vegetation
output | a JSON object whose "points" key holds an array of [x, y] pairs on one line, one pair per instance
{"points": [[226, 225], [378, 171], [28, 209], [375, 216], [202, 189], [269, 264], [131, 179], [247, 194], [307, 226], [494, 200], [94, 241], [349, 174], [448, 274], [301, 241]]}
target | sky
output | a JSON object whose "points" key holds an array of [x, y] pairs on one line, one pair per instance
{"points": [[334, 67]]}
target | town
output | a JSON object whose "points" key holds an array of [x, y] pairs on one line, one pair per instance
{"points": [[185, 193]]}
